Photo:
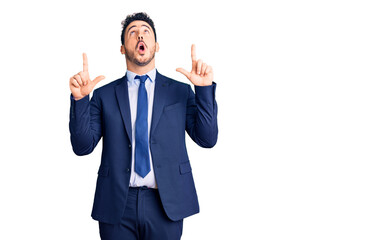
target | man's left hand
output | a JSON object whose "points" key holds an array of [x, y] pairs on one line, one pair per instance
{"points": [[201, 73]]}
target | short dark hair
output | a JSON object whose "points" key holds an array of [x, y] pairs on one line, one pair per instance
{"points": [[134, 17]]}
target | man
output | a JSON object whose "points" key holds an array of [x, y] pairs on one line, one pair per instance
{"points": [[145, 186]]}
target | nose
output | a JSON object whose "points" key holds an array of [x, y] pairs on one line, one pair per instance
{"points": [[140, 37]]}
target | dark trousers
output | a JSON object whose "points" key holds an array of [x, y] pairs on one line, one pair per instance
{"points": [[143, 219]]}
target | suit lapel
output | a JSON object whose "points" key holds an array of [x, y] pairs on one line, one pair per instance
{"points": [[160, 93], [123, 101]]}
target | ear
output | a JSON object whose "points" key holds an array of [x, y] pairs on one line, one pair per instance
{"points": [[122, 49], [156, 47]]}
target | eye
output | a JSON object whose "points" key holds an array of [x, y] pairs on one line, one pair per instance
{"points": [[146, 31]]}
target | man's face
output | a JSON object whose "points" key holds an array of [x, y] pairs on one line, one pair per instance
{"points": [[139, 43]]}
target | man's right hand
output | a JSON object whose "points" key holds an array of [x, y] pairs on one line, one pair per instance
{"points": [[80, 84]]}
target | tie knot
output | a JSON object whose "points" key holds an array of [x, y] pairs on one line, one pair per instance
{"points": [[142, 78]]}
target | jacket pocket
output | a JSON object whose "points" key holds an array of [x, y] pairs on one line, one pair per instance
{"points": [[185, 168], [169, 107]]}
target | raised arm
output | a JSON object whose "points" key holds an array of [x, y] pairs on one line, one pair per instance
{"points": [[201, 117], [85, 114]]}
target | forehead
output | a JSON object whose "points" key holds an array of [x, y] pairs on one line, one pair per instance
{"points": [[138, 23]]}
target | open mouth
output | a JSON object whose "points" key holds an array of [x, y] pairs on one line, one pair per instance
{"points": [[141, 47]]}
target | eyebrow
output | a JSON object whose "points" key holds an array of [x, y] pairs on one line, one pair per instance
{"points": [[143, 25]]}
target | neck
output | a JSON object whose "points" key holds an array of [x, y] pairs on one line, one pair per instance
{"points": [[140, 70]]}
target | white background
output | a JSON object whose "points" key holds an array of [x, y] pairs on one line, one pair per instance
{"points": [[295, 158]]}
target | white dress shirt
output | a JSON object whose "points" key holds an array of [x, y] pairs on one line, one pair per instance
{"points": [[149, 179]]}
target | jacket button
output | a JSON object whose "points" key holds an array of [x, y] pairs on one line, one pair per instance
{"points": [[128, 169], [129, 145]]}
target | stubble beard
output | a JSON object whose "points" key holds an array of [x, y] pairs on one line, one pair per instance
{"points": [[131, 57]]}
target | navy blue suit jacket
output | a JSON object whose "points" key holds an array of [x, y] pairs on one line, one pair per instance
{"points": [[176, 109]]}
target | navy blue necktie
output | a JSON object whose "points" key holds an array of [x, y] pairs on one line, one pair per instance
{"points": [[142, 162]]}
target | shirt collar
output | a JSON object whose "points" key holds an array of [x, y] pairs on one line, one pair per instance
{"points": [[131, 75]]}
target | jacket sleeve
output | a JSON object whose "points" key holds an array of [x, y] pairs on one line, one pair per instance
{"points": [[201, 117], [85, 124]]}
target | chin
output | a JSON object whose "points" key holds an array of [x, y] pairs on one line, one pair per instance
{"points": [[143, 61]]}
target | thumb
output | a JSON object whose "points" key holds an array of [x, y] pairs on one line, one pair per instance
{"points": [[184, 72], [98, 79]]}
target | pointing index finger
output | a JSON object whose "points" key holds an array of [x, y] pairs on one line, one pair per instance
{"points": [[193, 52], [85, 66]]}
